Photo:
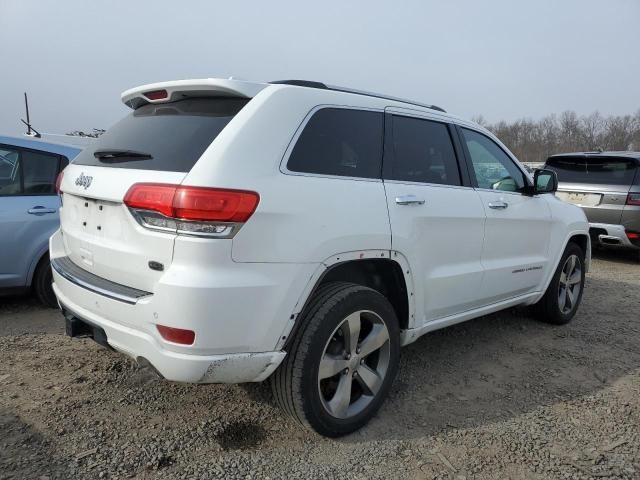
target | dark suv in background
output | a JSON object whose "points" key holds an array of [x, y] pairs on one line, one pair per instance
{"points": [[607, 187]]}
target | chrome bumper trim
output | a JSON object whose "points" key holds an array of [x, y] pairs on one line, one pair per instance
{"points": [[73, 273]]}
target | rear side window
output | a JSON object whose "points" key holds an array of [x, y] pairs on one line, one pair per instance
{"points": [[167, 137], [423, 152], [341, 142], [601, 170], [27, 172]]}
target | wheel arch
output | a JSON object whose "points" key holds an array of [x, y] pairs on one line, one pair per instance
{"points": [[37, 259], [382, 270]]}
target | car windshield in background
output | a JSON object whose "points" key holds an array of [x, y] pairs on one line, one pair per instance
{"points": [[167, 137], [606, 171]]}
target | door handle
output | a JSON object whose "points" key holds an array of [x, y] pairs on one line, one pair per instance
{"points": [[498, 205], [409, 200], [40, 210]]}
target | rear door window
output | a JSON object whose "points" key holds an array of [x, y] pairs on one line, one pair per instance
{"points": [[342, 142], [590, 170], [166, 137], [423, 152], [27, 172]]}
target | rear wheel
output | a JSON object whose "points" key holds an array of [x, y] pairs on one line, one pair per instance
{"points": [[342, 361], [562, 298], [42, 283]]}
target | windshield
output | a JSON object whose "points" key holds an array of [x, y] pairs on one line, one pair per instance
{"points": [[605, 170], [166, 137]]}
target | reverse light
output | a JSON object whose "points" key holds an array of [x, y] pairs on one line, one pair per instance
{"points": [[156, 95], [199, 211], [633, 199], [177, 335]]}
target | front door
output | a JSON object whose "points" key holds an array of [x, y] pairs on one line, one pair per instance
{"points": [[437, 221], [517, 230]]}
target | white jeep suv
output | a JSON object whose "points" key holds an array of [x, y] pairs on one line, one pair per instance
{"points": [[229, 231]]}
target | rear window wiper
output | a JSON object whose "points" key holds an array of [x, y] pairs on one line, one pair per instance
{"points": [[120, 155]]}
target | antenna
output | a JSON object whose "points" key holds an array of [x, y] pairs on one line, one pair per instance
{"points": [[31, 132]]}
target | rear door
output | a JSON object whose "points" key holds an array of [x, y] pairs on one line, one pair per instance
{"points": [[518, 226], [154, 144], [437, 219], [28, 209]]}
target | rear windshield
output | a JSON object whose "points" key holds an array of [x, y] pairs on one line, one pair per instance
{"points": [[606, 171], [168, 137]]}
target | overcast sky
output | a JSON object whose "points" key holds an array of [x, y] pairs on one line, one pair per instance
{"points": [[502, 59]]}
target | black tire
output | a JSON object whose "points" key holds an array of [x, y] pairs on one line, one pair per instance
{"points": [[548, 309], [296, 383], [42, 280]]}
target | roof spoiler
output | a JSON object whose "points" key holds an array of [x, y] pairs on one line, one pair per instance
{"points": [[164, 92]]}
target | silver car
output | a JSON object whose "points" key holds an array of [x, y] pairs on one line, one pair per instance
{"points": [[607, 187]]}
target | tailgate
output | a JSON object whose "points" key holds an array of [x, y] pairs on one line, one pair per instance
{"points": [[99, 233]]}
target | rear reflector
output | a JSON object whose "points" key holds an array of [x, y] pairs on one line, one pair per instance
{"points": [[156, 95], [59, 181], [177, 335], [633, 199]]}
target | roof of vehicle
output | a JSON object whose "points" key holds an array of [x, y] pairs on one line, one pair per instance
{"points": [[599, 155], [57, 148]]}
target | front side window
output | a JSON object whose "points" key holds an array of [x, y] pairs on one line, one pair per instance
{"points": [[341, 142], [423, 152], [493, 168], [26, 172]]}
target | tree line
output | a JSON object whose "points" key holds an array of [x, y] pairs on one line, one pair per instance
{"points": [[535, 140]]}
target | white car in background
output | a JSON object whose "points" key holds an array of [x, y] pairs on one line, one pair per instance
{"points": [[229, 231]]}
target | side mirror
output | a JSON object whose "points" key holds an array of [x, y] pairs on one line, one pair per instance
{"points": [[544, 181]]}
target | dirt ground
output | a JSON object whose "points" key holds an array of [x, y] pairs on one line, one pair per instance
{"points": [[498, 397]]}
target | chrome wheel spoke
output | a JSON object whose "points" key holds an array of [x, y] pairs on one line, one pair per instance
{"points": [[339, 404], [331, 365], [369, 380], [562, 299], [563, 278], [376, 338], [575, 278], [352, 332], [571, 298]]}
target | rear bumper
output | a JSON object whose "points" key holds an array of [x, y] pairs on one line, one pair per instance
{"points": [[179, 367], [610, 235], [239, 312]]}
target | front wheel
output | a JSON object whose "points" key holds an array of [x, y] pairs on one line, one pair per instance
{"points": [[564, 294], [342, 361]]}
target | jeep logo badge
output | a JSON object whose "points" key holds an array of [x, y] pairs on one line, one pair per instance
{"points": [[84, 180]]}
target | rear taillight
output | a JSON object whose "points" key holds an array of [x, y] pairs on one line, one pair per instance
{"points": [[59, 181], [633, 199], [633, 235], [206, 212], [177, 335]]}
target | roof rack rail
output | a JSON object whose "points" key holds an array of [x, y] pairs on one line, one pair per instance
{"points": [[323, 86], [301, 83]]}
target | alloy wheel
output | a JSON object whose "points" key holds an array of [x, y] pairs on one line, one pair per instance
{"points": [[570, 284], [354, 364]]}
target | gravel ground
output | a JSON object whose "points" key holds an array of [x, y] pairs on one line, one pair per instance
{"points": [[499, 397]]}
